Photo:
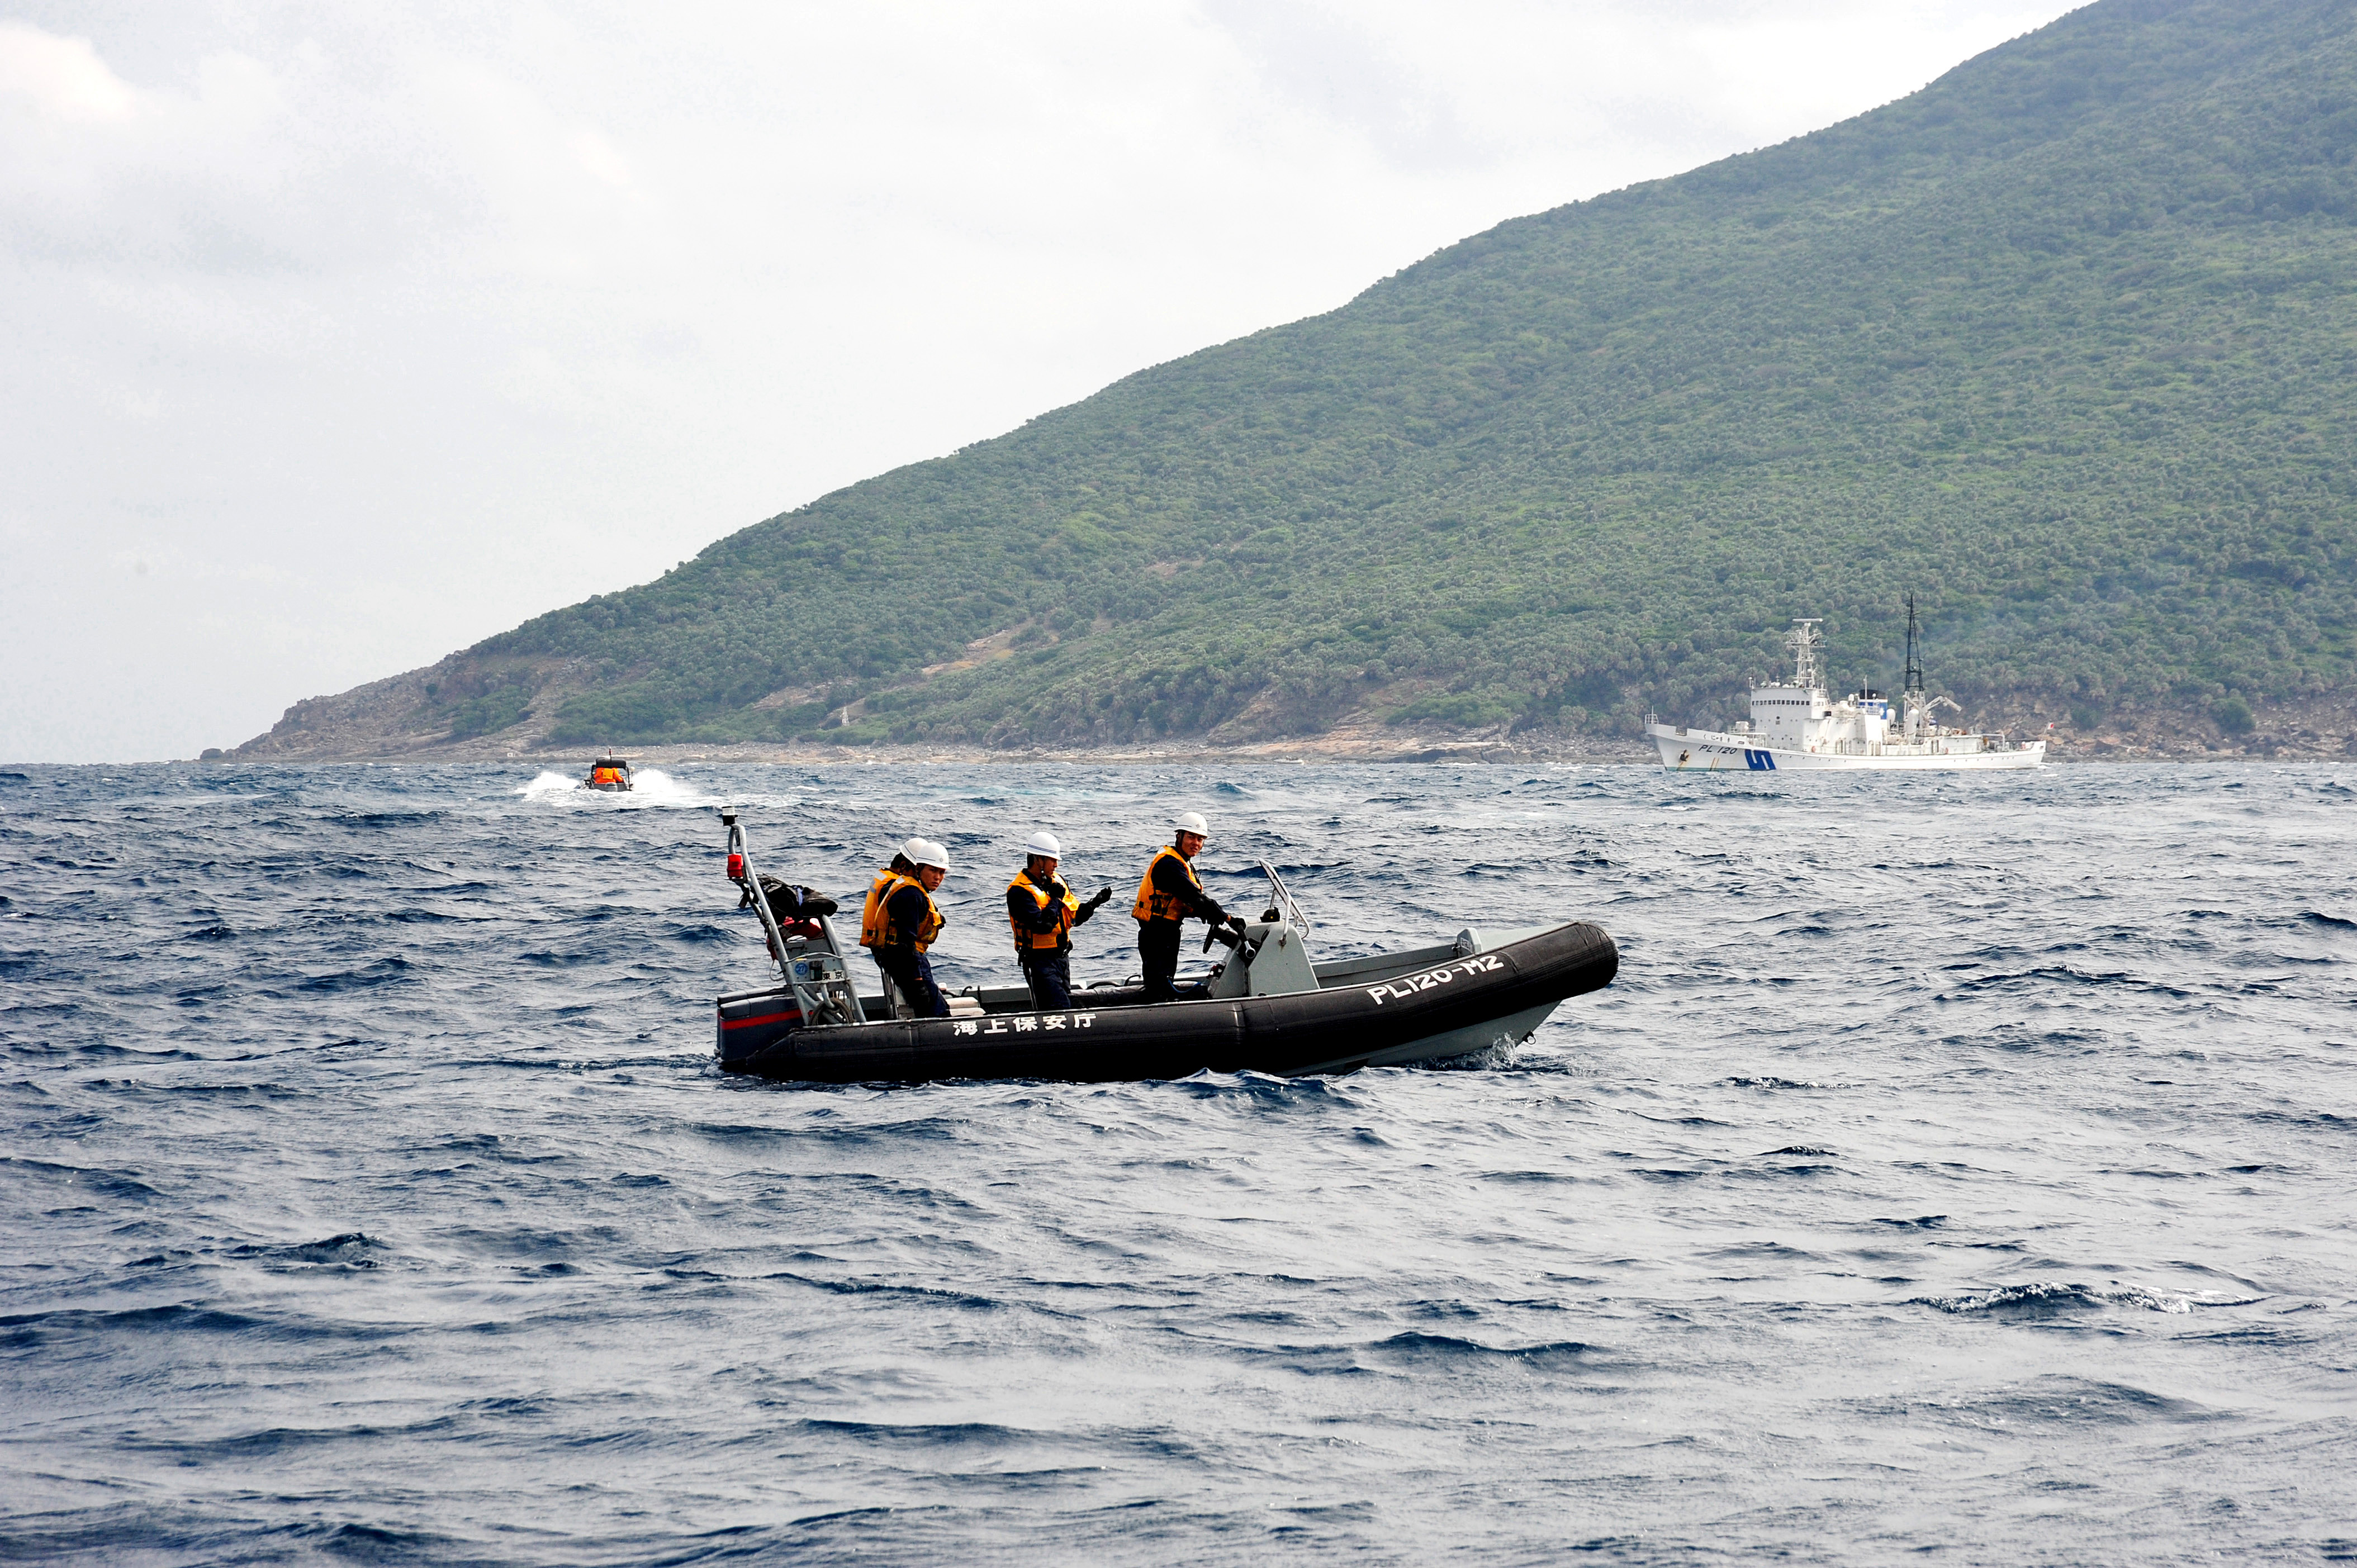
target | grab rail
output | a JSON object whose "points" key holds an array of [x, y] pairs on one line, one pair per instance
{"points": [[820, 980], [1282, 898]]}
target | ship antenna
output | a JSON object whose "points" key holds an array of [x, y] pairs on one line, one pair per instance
{"points": [[1805, 642], [1914, 664], [1910, 701]]}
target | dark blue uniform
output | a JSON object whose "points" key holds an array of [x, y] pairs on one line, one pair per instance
{"points": [[911, 970]]}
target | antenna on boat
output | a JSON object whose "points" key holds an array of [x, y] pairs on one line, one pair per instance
{"points": [[1913, 713], [1805, 642]]}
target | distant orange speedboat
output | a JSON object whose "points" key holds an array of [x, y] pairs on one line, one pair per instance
{"points": [[609, 773]]}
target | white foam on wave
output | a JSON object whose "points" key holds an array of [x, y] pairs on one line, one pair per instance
{"points": [[2057, 1294], [649, 787], [654, 787]]}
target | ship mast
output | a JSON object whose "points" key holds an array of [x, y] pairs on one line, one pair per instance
{"points": [[1911, 698], [1805, 642]]}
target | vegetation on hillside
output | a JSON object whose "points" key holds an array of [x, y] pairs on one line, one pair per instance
{"points": [[2063, 343]]}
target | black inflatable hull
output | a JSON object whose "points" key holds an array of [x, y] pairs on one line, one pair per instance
{"points": [[1335, 1030]]}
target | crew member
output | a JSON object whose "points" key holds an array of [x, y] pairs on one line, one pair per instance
{"points": [[1043, 910], [901, 866], [902, 925], [1168, 894]]}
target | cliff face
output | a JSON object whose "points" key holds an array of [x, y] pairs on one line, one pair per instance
{"points": [[371, 721], [424, 712], [2063, 344]]}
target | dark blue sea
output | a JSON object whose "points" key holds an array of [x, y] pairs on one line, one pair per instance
{"points": [[1960, 1170]]}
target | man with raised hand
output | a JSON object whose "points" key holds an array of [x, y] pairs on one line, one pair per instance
{"points": [[1043, 910]]}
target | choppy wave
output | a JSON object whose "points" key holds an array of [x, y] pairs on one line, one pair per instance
{"points": [[1946, 1148], [2047, 1297]]}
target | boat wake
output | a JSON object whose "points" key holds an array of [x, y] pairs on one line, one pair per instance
{"points": [[651, 786], [656, 788]]}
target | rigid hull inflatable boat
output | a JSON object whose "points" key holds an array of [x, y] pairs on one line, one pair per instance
{"points": [[1268, 1008]]}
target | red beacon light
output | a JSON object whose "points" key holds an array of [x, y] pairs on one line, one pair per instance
{"points": [[736, 855]]}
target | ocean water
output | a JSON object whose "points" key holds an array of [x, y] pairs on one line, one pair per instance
{"points": [[1961, 1168]]}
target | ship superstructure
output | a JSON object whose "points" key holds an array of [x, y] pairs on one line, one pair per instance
{"points": [[1797, 724]]}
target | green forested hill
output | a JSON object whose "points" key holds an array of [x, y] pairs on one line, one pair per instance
{"points": [[2066, 343]]}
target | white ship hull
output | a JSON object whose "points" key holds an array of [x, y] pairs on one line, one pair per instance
{"points": [[1716, 751]]}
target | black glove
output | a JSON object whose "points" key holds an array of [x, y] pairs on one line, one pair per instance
{"points": [[1099, 896], [1236, 924]]}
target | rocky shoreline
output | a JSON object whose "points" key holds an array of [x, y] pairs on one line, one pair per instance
{"points": [[1522, 750], [1177, 753], [370, 724]]}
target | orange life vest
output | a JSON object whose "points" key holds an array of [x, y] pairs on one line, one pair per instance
{"points": [[1154, 905], [871, 919], [1030, 940], [875, 929]]}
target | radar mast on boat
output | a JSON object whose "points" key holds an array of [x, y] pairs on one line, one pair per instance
{"points": [[1910, 695], [1806, 643]]}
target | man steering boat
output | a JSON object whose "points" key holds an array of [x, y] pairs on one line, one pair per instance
{"points": [[1167, 895]]}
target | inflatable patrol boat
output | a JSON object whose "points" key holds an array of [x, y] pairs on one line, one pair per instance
{"points": [[1268, 1008]]}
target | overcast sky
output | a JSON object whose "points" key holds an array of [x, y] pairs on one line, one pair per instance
{"points": [[338, 337]]}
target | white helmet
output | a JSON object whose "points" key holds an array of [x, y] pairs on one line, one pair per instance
{"points": [[912, 850], [1190, 822], [1045, 842], [925, 852]]}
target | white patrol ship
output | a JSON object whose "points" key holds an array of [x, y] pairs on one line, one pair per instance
{"points": [[1798, 725]]}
